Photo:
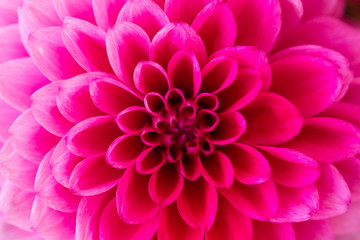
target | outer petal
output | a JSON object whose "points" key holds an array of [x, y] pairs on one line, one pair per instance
{"points": [[10, 114], [350, 170], [107, 11], [320, 230], [323, 8], [292, 12], [347, 223], [267, 230], [345, 111], [184, 11], [73, 8], [10, 44], [9, 231], [150, 77], [8, 14]]}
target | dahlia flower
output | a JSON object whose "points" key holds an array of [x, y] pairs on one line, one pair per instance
{"points": [[179, 119]]}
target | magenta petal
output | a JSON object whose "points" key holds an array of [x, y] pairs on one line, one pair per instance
{"points": [[73, 99], [126, 44], [334, 193], [296, 204], [326, 139], [112, 96], [133, 119], [347, 223], [112, 226], [292, 12], [271, 119], [17, 169], [93, 176], [10, 44], [8, 12], [230, 224], [51, 224], [106, 12], [350, 170], [314, 9], [291, 168], [185, 10], [151, 77], [72, 8], [216, 26], [197, 204], [165, 185], [345, 111], [184, 73], [124, 151], [173, 38], [46, 111], [46, 44], [5, 122], [51, 192], [190, 166], [250, 166], [172, 226], [146, 14], [255, 201], [231, 126], [320, 230], [86, 43], [133, 202], [264, 230], [92, 136], [30, 139], [150, 160]]}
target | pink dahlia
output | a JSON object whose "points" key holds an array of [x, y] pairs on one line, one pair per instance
{"points": [[179, 119]]}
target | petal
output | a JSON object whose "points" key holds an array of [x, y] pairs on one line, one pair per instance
{"points": [[150, 160], [320, 230], [184, 73], [17, 169], [9, 115], [111, 226], [146, 14], [185, 10], [216, 26], [197, 204], [217, 170], [8, 12], [326, 139], [106, 12], [133, 202], [51, 192], [30, 139], [347, 223], [334, 193], [231, 126], [73, 99], [291, 168], [86, 43], [350, 170], [133, 119], [46, 112], [322, 8], [45, 44], [18, 80], [292, 12], [250, 166], [255, 201], [150, 77], [92, 136], [190, 166], [345, 111], [9, 231], [172, 226], [82, 10], [264, 230], [10, 44], [271, 119], [165, 185], [52, 224], [173, 38], [126, 44], [230, 224], [93, 176]]}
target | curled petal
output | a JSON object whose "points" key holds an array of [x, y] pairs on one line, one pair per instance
{"points": [[72, 8], [133, 119], [150, 160], [185, 10], [292, 12], [107, 11], [150, 77], [10, 44], [154, 103], [190, 166]]}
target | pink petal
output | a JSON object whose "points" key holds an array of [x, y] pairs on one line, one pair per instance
{"points": [[207, 101], [82, 10], [9, 115], [93, 176], [150, 160], [216, 26], [111, 226], [231, 126], [345, 111], [217, 170], [146, 14], [15, 205], [267, 230], [291, 168], [133, 202], [8, 13], [230, 224], [9, 231], [323, 8], [92, 136], [10, 44], [172, 226], [326, 139], [352, 95], [350, 170], [190, 166], [126, 44], [250, 166], [151, 77], [292, 12], [255, 201], [296, 204], [30, 139], [133, 119], [45, 44], [107, 11], [249, 57], [17, 169], [73, 99], [124, 151], [184, 11], [320, 230], [86, 43], [46, 111], [165, 185], [347, 223], [51, 224], [334, 193], [111, 96], [184, 73], [240, 92], [173, 38], [197, 204]]}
